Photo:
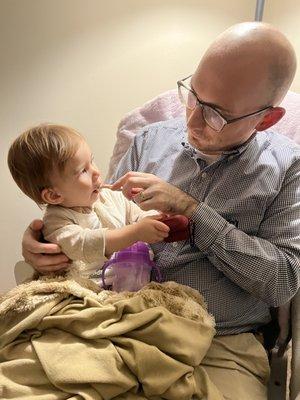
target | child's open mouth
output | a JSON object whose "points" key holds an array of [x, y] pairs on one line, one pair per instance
{"points": [[97, 189]]}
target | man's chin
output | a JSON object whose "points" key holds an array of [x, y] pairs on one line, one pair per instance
{"points": [[202, 145]]}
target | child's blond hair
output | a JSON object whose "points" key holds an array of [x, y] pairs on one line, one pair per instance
{"points": [[37, 152]]}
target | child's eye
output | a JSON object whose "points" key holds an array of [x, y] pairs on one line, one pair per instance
{"points": [[83, 171]]}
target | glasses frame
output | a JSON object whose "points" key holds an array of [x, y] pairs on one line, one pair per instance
{"points": [[202, 104]]}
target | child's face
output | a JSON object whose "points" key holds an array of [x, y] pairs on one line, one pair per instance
{"points": [[79, 184]]}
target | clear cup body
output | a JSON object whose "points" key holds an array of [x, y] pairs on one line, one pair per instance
{"points": [[129, 276]]}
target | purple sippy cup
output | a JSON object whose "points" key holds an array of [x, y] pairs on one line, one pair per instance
{"points": [[131, 268]]}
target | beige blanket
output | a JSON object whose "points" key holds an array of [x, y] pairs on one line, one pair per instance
{"points": [[62, 338]]}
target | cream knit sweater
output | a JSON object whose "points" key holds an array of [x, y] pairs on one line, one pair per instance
{"points": [[82, 236]]}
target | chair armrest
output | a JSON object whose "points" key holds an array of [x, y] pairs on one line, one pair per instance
{"points": [[23, 271], [295, 364]]}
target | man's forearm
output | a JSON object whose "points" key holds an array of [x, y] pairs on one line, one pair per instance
{"points": [[187, 205], [255, 264]]}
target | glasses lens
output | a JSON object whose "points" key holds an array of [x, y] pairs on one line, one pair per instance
{"points": [[187, 97], [212, 118]]}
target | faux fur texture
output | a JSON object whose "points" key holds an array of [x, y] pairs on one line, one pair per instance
{"points": [[178, 299]]}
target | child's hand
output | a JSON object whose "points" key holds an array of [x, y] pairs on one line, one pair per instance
{"points": [[150, 230]]}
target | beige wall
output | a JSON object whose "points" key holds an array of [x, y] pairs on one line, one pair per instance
{"points": [[285, 16], [85, 63]]}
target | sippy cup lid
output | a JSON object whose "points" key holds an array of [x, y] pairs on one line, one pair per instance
{"points": [[138, 252]]}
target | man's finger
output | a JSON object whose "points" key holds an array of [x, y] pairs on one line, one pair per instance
{"points": [[40, 260], [38, 247], [130, 176], [106, 186], [119, 183], [140, 196], [136, 185], [36, 225], [147, 205], [53, 260]]}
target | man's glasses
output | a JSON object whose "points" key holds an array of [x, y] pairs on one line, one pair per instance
{"points": [[212, 117]]}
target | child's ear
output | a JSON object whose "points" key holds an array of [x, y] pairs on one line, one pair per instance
{"points": [[51, 196]]}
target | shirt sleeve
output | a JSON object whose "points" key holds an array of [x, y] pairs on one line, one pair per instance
{"points": [[84, 244], [266, 265]]}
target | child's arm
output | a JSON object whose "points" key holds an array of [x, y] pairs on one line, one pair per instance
{"points": [[134, 213], [78, 243], [147, 230], [94, 245]]}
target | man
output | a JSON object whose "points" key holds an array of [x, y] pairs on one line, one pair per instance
{"points": [[240, 187]]}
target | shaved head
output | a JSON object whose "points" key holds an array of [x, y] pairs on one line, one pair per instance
{"points": [[255, 55], [247, 69]]}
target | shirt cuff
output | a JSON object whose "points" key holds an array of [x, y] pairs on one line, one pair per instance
{"points": [[208, 225]]}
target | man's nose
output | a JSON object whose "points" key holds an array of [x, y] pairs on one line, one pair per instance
{"points": [[195, 117]]}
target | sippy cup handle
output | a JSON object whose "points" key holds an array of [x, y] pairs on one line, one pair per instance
{"points": [[105, 266]]}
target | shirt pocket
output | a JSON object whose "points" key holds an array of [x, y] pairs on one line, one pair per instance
{"points": [[246, 214]]}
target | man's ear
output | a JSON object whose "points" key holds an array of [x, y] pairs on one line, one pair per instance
{"points": [[51, 196], [271, 118]]}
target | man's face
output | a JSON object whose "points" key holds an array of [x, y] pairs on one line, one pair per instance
{"points": [[234, 91]]}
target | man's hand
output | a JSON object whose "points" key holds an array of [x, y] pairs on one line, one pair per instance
{"points": [[35, 252], [151, 230], [154, 193]]}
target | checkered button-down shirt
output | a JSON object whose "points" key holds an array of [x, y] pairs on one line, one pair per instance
{"points": [[246, 256]]}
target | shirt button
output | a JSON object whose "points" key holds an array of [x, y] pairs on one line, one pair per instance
{"points": [[204, 174], [174, 244], [230, 158]]}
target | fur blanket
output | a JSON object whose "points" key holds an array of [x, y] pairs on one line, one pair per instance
{"points": [[64, 338]]}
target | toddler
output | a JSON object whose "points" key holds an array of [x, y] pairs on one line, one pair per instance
{"points": [[54, 166]]}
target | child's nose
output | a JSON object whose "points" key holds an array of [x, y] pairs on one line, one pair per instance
{"points": [[96, 173]]}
